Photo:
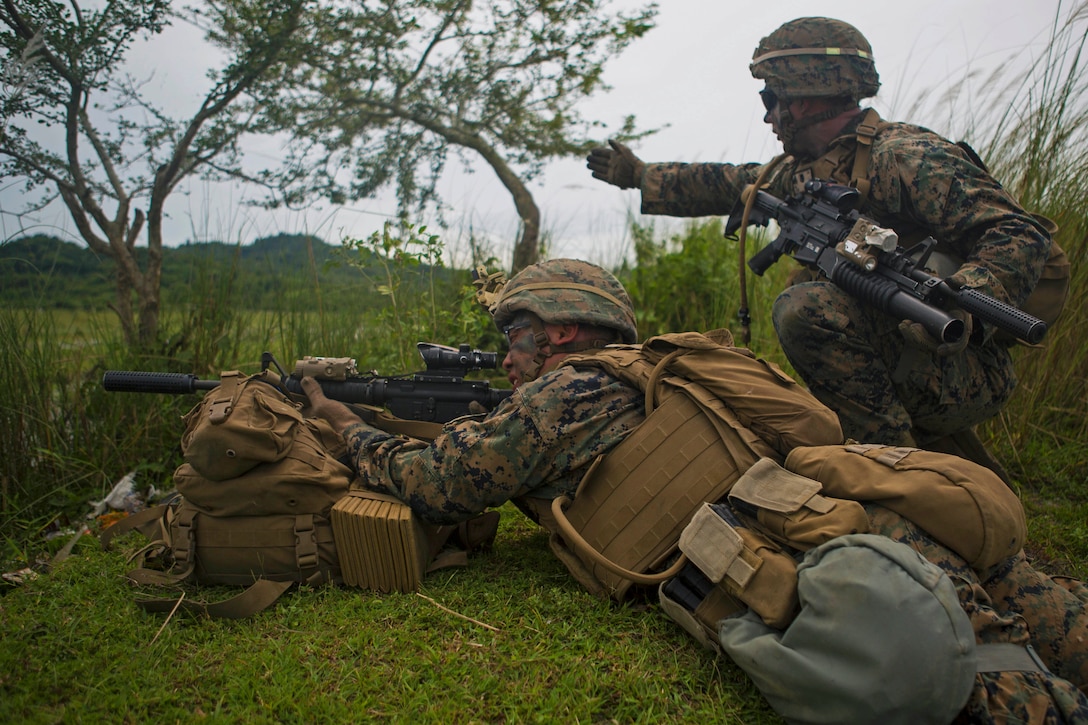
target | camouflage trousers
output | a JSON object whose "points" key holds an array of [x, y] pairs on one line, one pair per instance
{"points": [[1013, 603], [854, 360]]}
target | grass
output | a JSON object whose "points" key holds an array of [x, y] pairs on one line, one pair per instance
{"points": [[76, 648], [1055, 498]]}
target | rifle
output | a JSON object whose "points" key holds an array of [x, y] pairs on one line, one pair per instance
{"points": [[821, 229], [437, 394]]}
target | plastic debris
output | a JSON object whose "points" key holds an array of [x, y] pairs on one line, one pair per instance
{"points": [[123, 497]]}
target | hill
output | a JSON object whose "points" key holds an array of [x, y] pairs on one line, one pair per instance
{"points": [[46, 272]]}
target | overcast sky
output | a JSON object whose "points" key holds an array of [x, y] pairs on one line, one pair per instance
{"points": [[689, 76]]}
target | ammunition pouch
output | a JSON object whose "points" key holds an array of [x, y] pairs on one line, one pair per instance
{"points": [[748, 565], [790, 509], [734, 566], [384, 547]]}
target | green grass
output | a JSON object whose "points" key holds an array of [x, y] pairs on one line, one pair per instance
{"points": [[1054, 491], [77, 649]]}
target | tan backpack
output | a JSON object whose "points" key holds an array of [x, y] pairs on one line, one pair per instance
{"points": [[257, 506]]}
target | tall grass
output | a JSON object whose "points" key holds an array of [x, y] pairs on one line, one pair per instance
{"points": [[689, 281], [65, 439], [1038, 147]]}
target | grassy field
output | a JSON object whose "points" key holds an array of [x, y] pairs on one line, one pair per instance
{"points": [[510, 638]]}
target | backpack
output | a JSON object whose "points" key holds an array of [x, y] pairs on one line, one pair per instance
{"points": [[256, 506]]}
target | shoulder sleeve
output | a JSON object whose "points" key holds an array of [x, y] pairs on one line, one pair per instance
{"points": [[922, 180]]}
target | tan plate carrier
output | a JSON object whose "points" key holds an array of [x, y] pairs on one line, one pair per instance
{"points": [[627, 515]]}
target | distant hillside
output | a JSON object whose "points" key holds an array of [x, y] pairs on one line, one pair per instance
{"points": [[43, 271]]}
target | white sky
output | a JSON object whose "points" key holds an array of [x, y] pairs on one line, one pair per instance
{"points": [[690, 74]]}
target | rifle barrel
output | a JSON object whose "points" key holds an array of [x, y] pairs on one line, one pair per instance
{"points": [[138, 381]]}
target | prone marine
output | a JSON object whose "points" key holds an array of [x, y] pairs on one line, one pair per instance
{"points": [[927, 634]]}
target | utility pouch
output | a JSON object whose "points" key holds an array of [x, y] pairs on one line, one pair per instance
{"points": [[961, 504], [697, 605], [790, 508], [750, 566]]}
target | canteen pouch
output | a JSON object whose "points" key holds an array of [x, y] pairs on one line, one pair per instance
{"points": [[790, 508], [750, 566]]}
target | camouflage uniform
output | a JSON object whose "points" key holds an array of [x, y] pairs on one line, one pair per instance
{"points": [[854, 358], [537, 444], [1012, 603], [847, 352]]}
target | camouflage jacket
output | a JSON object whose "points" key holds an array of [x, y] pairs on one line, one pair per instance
{"points": [[921, 184], [537, 444]]}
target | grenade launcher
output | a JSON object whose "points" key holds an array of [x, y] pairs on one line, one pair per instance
{"points": [[821, 230]]}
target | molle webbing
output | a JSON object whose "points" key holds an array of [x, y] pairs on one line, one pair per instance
{"points": [[633, 503], [240, 550], [712, 412]]}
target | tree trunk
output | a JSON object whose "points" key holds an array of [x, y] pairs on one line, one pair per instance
{"points": [[122, 305], [527, 248]]}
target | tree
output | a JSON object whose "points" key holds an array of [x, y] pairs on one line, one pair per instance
{"points": [[393, 86], [74, 125]]}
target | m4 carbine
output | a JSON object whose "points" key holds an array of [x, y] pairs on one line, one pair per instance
{"points": [[437, 394], [821, 230]]}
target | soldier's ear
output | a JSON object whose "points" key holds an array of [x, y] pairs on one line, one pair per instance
{"points": [[562, 334]]}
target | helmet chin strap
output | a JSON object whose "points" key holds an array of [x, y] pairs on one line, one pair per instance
{"points": [[789, 127], [545, 349]]}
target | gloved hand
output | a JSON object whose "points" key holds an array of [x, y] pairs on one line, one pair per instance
{"points": [[917, 336], [617, 165]]}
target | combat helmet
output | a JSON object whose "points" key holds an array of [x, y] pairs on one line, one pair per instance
{"points": [[564, 291], [816, 58]]}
